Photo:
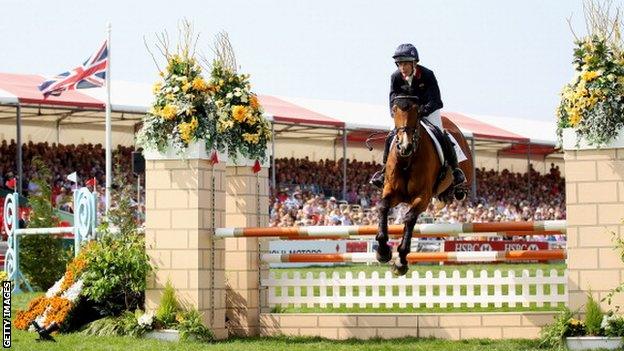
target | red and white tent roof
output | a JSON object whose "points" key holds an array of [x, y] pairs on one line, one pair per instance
{"points": [[129, 100]]}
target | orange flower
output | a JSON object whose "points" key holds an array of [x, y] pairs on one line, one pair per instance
{"points": [[59, 309], [36, 308], [253, 102]]}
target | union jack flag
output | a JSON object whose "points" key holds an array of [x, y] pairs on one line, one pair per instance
{"points": [[91, 74]]}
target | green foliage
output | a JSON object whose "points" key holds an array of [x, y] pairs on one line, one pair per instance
{"points": [[619, 247], [126, 324], [613, 325], [593, 316], [169, 306], [192, 328], [552, 335], [42, 257], [108, 326], [115, 276]]}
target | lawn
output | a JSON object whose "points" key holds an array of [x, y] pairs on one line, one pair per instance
{"points": [[25, 341]]}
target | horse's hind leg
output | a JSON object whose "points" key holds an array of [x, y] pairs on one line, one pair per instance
{"points": [[384, 252], [400, 266]]}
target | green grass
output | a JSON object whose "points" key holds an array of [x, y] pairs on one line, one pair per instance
{"points": [[24, 341]]}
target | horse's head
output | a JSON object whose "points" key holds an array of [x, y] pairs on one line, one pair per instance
{"points": [[406, 124]]}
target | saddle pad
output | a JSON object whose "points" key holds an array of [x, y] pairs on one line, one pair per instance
{"points": [[460, 154]]}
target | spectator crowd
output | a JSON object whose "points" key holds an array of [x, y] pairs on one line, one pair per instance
{"points": [[309, 192]]}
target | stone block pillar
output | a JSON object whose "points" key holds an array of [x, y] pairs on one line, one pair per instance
{"points": [[595, 209], [247, 203], [185, 200]]}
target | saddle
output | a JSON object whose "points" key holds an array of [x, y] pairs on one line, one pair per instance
{"points": [[443, 148]]}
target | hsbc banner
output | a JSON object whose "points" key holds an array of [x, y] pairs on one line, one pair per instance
{"points": [[477, 245]]}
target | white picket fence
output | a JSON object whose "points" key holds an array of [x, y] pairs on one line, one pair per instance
{"points": [[417, 291]]}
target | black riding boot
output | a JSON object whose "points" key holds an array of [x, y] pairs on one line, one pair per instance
{"points": [[378, 178], [451, 158]]}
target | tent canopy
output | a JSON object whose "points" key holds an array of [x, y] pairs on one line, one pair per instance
{"points": [[292, 117]]}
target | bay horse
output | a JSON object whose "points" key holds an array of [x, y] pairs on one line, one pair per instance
{"points": [[412, 171]]}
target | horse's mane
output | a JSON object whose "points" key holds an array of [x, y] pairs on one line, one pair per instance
{"points": [[404, 102]]}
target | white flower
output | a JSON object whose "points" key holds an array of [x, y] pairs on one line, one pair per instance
{"points": [[228, 96], [243, 98], [146, 319], [237, 94], [56, 288], [73, 292], [605, 321]]}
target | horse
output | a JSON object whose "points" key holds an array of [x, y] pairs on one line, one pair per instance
{"points": [[414, 176]]}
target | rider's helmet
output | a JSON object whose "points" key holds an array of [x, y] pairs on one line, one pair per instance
{"points": [[405, 52]]}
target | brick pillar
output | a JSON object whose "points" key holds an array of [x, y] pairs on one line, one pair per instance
{"points": [[595, 208], [247, 203], [178, 233]]}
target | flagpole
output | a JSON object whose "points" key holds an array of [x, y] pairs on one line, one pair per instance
{"points": [[109, 162]]}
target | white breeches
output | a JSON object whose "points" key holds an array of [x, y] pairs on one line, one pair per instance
{"points": [[436, 119]]}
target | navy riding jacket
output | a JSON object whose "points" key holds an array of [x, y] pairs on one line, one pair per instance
{"points": [[424, 86]]}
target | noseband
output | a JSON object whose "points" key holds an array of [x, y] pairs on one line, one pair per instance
{"points": [[414, 140]]}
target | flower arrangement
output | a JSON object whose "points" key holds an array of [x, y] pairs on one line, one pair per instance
{"points": [[241, 125], [182, 111], [221, 111], [593, 102]]}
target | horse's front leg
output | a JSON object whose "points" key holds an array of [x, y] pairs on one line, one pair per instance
{"points": [[384, 252], [400, 266]]}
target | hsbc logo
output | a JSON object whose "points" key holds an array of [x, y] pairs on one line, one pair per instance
{"points": [[485, 247]]}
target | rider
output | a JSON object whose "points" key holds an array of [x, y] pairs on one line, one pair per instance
{"points": [[413, 79]]}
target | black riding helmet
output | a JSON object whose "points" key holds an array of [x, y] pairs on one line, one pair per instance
{"points": [[405, 52]]}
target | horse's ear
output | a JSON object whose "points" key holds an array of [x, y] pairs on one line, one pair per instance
{"points": [[414, 108]]}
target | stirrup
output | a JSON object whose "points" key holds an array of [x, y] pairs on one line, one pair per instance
{"points": [[377, 179]]}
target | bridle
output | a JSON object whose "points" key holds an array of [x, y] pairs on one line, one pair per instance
{"points": [[413, 143]]}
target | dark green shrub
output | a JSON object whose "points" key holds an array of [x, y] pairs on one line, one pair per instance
{"points": [[42, 257], [117, 267]]}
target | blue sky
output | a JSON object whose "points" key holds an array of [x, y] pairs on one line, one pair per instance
{"points": [[507, 58]]}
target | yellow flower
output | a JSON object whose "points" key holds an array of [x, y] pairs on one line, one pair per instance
{"points": [[186, 86], [169, 112], [170, 96], [199, 84], [222, 126], [251, 119], [156, 88], [251, 138], [187, 130], [239, 113], [589, 75]]}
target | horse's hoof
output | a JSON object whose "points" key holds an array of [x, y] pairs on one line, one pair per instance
{"points": [[460, 195], [384, 256], [399, 270]]}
